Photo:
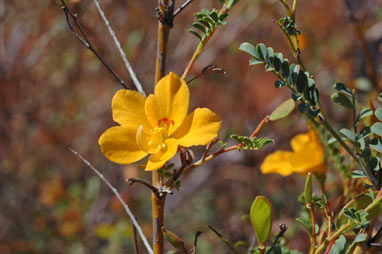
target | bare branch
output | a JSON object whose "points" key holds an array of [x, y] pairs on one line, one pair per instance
{"points": [[155, 191], [114, 190], [283, 229], [224, 240], [85, 41], [184, 5], [121, 52], [136, 247]]}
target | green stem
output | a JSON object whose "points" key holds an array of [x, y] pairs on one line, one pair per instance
{"points": [[359, 161], [334, 236], [348, 225], [223, 10], [286, 6], [313, 238], [195, 56], [294, 8]]}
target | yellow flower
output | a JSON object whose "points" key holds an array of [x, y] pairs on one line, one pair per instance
{"points": [[307, 156], [156, 125]]}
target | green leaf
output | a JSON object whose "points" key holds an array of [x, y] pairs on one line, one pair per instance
{"points": [[373, 164], [280, 83], [253, 61], [363, 84], [339, 246], [268, 67], [358, 174], [252, 143], [177, 184], [307, 224], [312, 94], [380, 97], [361, 202], [364, 113], [308, 192], [261, 218], [365, 132], [173, 239], [250, 49], [294, 71], [200, 27], [343, 89], [348, 134], [314, 113], [214, 16], [222, 144], [376, 128], [261, 142], [378, 113], [342, 100], [222, 16], [302, 107], [262, 51], [205, 23], [285, 68], [296, 97], [283, 110], [195, 33], [361, 216], [350, 213], [376, 144], [241, 244], [360, 238], [302, 81], [277, 60], [270, 55]]}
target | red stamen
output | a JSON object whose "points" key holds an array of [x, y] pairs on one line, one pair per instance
{"points": [[166, 121]]}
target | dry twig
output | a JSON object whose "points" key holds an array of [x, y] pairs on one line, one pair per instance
{"points": [[114, 190]]}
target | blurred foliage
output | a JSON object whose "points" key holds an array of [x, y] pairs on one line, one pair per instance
{"points": [[55, 94]]}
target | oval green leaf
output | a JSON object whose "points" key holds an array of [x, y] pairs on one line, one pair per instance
{"points": [[282, 110], [378, 113], [261, 218], [308, 192], [250, 49], [376, 128], [342, 100]]}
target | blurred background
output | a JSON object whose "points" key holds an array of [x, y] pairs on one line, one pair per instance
{"points": [[55, 94]]}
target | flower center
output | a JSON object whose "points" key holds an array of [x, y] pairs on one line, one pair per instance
{"points": [[153, 140], [166, 123]]}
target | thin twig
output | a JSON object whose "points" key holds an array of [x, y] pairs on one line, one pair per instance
{"points": [[114, 190], [283, 229], [198, 233], [208, 148], [251, 245], [372, 73], [155, 191], [83, 38], [207, 69], [136, 247], [261, 124], [121, 52], [223, 239], [176, 175], [184, 5]]}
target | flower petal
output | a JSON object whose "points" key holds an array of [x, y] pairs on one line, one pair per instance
{"points": [[170, 102], [118, 145], [199, 128], [158, 159], [278, 162], [129, 109], [303, 164]]}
